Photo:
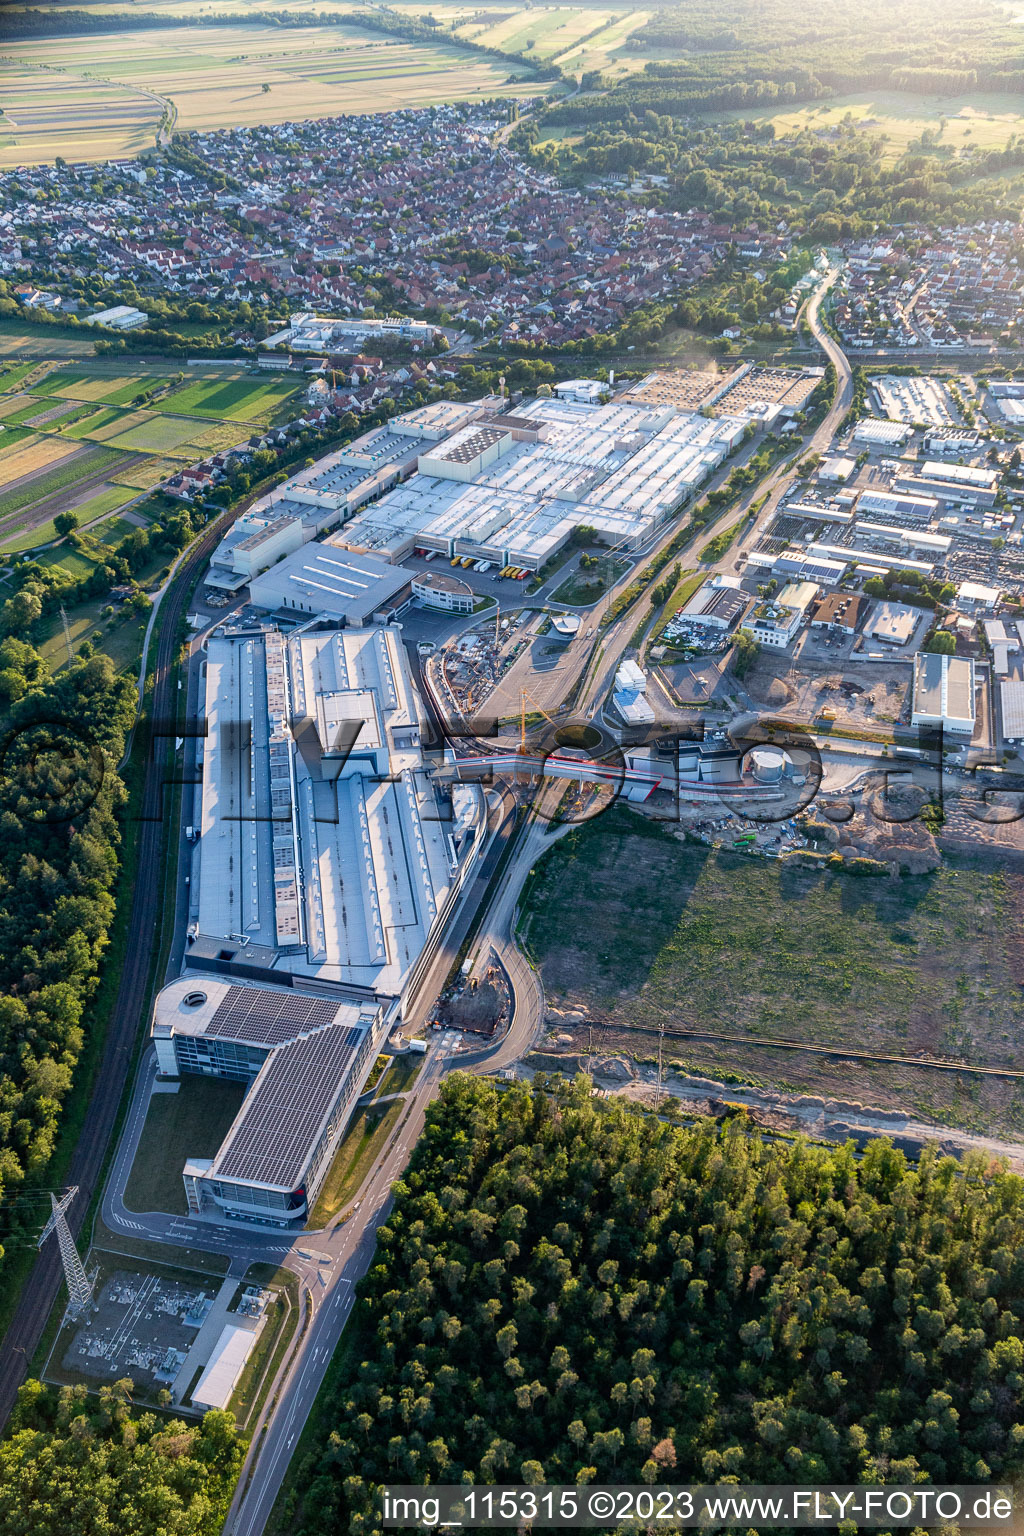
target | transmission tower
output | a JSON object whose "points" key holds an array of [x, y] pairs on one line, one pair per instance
{"points": [[67, 631], [80, 1286]]}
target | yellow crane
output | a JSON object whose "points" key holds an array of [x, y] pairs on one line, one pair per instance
{"points": [[523, 696]]}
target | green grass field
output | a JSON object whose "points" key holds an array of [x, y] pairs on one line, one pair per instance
{"points": [[367, 1132], [190, 1123], [62, 382], [10, 438], [95, 421], [74, 561], [640, 929], [14, 373], [689, 581], [112, 530], [152, 433], [243, 398], [20, 340], [106, 500], [403, 1073]]}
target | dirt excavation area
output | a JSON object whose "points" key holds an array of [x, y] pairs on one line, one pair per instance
{"points": [[869, 696], [745, 961]]}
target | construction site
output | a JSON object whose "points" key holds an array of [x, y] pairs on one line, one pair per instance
{"points": [[478, 1003], [469, 669]]}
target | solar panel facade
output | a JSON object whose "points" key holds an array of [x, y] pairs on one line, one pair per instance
{"points": [[269, 1018], [275, 1135]]}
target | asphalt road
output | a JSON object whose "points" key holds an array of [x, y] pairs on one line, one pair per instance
{"points": [[128, 1016]]}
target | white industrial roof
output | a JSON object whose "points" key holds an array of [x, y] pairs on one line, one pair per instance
{"points": [[618, 468], [230, 1353], [1011, 700], [342, 874], [329, 578]]}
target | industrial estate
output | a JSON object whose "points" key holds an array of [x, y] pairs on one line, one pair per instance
{"points": [[512, 677]]}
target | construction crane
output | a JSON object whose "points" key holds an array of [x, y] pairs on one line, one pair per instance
{"points": [[523, 696]]}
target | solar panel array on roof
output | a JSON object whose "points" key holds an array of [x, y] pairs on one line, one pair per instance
{"points": [[274, 1134], [269, 1018]]}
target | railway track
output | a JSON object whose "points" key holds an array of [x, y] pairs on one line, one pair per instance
{"points": [[129, 1013]]}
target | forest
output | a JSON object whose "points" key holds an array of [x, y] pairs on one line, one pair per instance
{"points": [[933, 46], [570, 1290], [61, 739], [73, 1463], [830, 186], [833, 184]]}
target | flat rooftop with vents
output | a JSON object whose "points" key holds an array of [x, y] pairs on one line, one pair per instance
{"points": [[322, 840]]}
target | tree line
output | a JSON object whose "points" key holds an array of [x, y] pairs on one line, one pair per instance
{"points": [[60, 798], [570, 1290]]}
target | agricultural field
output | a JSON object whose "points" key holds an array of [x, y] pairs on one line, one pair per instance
{"points": [[239, 397], [13, 374], [114, 446], [11, 438], [638, 930], [83, 472], [94, 422], [43, 342], [579, 38], [103, 502], [978, 120], [145, 473], [149, 432], [114, 529], [35, 455], [45, 110], [214, 77], [108, 385]]}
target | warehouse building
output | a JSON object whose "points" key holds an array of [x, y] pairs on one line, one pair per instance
{"points": [[874, 433], [944, 693], [718, 604], [893, 624], [1011, 708], [333, 581], [216, 1385], [836, 468], [513, 489], [908, 509], [309, 332], [953, 440], [121, 317], [961, 484], [322, 842]]}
